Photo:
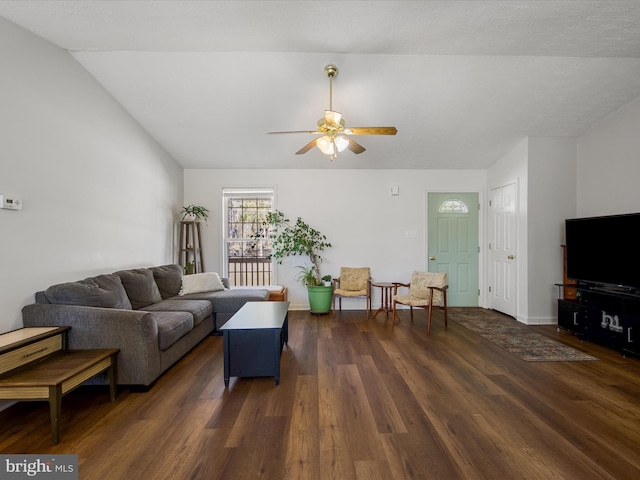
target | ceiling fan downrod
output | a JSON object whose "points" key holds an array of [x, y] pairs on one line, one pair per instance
{"points": [[330, 71]]}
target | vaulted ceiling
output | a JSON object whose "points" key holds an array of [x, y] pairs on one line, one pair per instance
{"points": [[463, 81]]}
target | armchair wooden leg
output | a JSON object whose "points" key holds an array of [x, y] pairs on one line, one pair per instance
{"points": [[444, 299], [393, 317], [429, 320]]}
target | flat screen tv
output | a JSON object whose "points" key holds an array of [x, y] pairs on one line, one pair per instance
{"points": [[604, 250]]}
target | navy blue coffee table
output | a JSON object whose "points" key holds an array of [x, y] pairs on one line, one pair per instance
{"points": [[253, 340]]}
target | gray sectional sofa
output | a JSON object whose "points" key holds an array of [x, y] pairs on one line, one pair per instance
{"points": [[140, 312]]}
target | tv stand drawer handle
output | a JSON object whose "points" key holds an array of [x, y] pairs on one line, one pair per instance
{"points": [[629, 335]]}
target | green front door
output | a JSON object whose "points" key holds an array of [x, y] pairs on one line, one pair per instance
{"points": [[453, 244]]}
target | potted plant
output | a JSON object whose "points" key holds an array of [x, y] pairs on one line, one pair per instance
{"points": [[194, 212], [326, 280], [301, 239], [189, 268], [307, 276]]}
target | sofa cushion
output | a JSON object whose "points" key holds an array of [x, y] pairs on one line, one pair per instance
{"points": [[230, 300], [172, 326], [140, 286], [277, 293], [168, 279], [101, 291], [200, 309], [201, 282]]}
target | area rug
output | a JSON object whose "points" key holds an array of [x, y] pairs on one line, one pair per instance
{"points": [[515, 337]]}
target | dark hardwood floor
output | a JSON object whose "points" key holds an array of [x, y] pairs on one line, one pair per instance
{"points": [[358, 400]]}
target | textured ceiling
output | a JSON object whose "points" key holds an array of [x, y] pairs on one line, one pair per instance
{"points": [[463, 81]]}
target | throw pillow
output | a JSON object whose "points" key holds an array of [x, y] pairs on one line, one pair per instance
{"points": [[201, 282]]}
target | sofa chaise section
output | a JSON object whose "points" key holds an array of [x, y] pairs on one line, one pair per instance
{"points": [[225, 302]]}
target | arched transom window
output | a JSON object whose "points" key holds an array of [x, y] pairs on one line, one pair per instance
{"points": [[453, 205]]}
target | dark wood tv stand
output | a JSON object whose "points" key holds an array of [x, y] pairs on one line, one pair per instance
{"points": [[603, 315]]}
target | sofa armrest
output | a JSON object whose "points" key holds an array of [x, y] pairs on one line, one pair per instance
{"points": [[134, 332]]}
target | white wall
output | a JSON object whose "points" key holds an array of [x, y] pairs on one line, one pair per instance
{"points": [[552, 199], [353, 208], [99, 194], [609, 165]]}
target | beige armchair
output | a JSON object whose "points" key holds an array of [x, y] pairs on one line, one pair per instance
{"points": [[426, 290], [353, 283]]}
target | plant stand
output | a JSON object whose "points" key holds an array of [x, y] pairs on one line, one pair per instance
{"points": [[191, 246]]}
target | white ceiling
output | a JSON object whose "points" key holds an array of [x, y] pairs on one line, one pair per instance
{"points": [[463, 81]]}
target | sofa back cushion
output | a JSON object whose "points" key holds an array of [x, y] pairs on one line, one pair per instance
{"points": [[169, 279], [41, 298], [140, 286], [101, 291]]}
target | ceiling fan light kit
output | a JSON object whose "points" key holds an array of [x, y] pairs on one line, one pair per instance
{"points": [[330, 146], [333, 130]]}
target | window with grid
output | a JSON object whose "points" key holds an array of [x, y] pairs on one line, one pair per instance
{"points": [[245, 250]]}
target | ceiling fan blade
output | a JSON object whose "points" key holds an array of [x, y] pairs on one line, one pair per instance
{"points": [[307, 147], [371, 131], [295, 131], [355, 147]]}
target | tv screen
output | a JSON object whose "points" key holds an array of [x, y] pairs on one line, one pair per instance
{"points": [[604, 250]]}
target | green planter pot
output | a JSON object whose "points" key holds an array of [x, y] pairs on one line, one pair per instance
{"points": [[320, 299]]}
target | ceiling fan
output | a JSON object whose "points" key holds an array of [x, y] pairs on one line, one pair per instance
{"points": [[334, 135]]}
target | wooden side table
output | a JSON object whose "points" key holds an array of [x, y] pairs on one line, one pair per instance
{"points": [[35, 364], [386, 297]]}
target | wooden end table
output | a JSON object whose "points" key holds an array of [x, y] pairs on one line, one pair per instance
{"points": [[35, 364], [386, 297]]}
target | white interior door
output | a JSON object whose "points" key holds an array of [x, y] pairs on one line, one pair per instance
{"points": [[453, 244], [502, 249]]}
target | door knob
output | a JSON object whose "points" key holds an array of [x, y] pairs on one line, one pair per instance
{"points": [[432, 258], [510, 257]]}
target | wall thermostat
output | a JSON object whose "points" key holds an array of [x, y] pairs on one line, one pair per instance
{"points": [[10, 202]]}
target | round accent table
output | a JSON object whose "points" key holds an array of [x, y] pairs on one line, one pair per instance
{"points": [[386, 297]]}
